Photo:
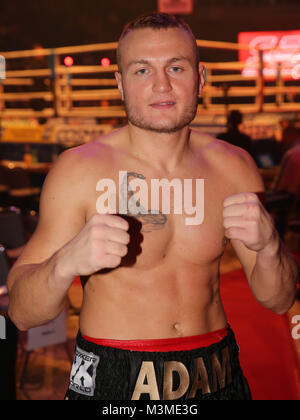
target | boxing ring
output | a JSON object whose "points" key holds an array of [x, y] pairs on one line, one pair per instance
{"points": [[67, 87]]}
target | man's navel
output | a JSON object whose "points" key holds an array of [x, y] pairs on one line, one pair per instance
{"points": [[177, 329]]}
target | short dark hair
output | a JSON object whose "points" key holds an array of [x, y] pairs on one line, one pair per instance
{"points": [[157, 21]]}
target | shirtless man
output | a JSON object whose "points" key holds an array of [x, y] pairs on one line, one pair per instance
{"points": [[152, 324]]}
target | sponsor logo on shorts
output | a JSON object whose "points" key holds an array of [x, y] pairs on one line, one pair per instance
{"points": [[203, 380], [83, 373]]}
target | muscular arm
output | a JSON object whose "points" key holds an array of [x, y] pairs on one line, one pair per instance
{"points": [[274, 277], [271, 271], [64, 244], [272, 274], [37, 291]]}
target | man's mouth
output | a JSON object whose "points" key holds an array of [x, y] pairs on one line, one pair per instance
{"points": [[163, 104]]}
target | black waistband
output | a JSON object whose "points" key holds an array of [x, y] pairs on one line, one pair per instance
{"points": [[108, 373]]}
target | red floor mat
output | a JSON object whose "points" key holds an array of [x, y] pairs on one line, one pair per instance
{"points": [[267, 350]]}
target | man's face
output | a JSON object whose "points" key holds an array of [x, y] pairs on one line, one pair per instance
{"points": [[159, 83]]}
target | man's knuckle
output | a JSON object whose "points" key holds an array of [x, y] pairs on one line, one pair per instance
{"points": [[124, 250], [249, 196], [226, 223], [94, 233], [252, 208], [115, 260], [96, 218]]}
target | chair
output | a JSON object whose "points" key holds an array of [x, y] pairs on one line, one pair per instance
{"points": [[52, 333]]}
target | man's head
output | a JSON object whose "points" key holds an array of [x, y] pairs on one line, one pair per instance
{"points": [[159, 75], [156, 21], [235, 118]]}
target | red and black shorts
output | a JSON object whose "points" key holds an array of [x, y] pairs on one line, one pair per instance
{"points": [[204, 367]]}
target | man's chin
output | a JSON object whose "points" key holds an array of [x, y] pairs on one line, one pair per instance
{"points": [[162, 128]]}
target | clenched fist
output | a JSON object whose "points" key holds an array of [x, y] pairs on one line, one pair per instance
{"points": [[246, 219], [102, 243]]}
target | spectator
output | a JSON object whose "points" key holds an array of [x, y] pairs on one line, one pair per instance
{"points": [[284, 194], [289, 176], [290, 134], [233, 134]]}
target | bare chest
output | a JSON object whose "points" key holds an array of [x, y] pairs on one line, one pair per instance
{"points": [[177, 218]]}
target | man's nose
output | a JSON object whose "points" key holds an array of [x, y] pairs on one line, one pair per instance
{"points": [[161, 82]]}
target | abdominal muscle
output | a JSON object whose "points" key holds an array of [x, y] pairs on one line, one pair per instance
{"points": [[168, 301]]}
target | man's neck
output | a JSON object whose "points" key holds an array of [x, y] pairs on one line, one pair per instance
{"points": [[165, 150]]}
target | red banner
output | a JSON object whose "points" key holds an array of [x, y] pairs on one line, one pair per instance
{"points": [[176, 7], [281, 51]]}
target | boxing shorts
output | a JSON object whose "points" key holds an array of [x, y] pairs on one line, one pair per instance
{"points": [[204, 367]]}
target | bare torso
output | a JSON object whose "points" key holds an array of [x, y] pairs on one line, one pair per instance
{"points": [[168, 284]]}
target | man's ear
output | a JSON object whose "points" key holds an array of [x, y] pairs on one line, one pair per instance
{"points": [[118, 77], [202, 77]]}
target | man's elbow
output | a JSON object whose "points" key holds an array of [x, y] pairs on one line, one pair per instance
{"points": [[24, 320], [283, 308], [16, 320], [281, 311], [23, 324]]}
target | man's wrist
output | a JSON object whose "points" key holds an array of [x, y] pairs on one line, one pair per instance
{"points": [[272, 249], [62, 277]]}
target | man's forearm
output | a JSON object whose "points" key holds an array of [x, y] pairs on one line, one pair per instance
{"points": [[274, 278], [37, 293]]}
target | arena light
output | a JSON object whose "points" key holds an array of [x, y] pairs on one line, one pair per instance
{"points": [[296, 72], [281, 48], [105, 62], [68, 61]]}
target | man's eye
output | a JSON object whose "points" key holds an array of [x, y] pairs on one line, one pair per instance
{"points": [[176, 69], [141, 71]]}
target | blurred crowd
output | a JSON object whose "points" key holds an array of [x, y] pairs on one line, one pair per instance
{"points": [[283, 195]]}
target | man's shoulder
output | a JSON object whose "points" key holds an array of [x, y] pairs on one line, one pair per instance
{"points": [[217, 148], [95, 152], [231, 162], [239, 167]]}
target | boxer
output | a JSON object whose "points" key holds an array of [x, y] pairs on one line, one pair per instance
{"points": [[152, 324]]}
